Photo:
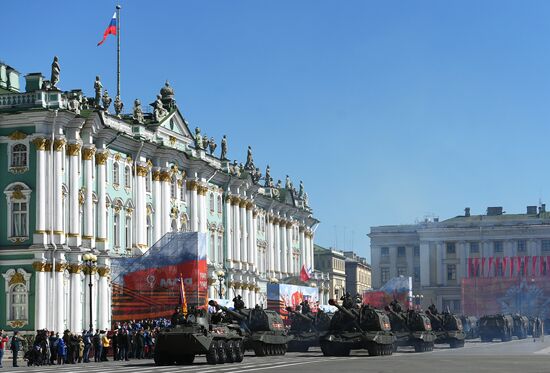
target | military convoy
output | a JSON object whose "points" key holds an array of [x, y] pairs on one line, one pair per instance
{"points": [[199, 335], [306, 328], [263, 330], [521, 326], [411, 328], [357, 327], [496, 327], [447, 327], [470, 325]]}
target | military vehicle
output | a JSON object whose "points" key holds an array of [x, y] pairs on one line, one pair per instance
{"points": [[496, 326], [521, 326], [199, 334], [411, 328], [447, 328], [470, 325], [535, 327], [357, 327], [306, 328], [263, 330]]}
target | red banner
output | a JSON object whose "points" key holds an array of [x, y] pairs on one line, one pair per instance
{"points": [[490, 266], [505, 266]]}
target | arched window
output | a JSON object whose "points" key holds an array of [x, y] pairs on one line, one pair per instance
{"points": [[17, 285], [19, 155], [211, 255], [116, 173], [18, 302], [212, 202], [174, 188], [116, 230], [183, 191], [149, 223], [220, 207], [127, 177], [18, 197], [128, 232]]}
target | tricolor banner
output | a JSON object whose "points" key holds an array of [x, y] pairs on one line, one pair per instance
{"points": [[111, 29]]}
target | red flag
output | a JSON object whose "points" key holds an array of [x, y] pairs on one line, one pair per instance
{"points": [[498, 268], [304, 275], [512, 261], [476, 267], [533, 265], [110, 30], [469, 267], [541, 265], [491, 258], [483, 267], [504, 266], [525, 265]]}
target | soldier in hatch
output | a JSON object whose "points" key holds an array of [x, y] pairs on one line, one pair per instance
{"points": [[177, 317]]}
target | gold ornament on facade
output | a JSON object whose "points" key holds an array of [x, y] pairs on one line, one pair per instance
{"points": [[103, 271], [276, 221], [191, 185], [17, 193], [202, 190], [18, 323], [117, 157], [129, 160], [89, 270], [101, 158], [149, 211], [242, 203], [165, 176], [180, 183], [60, 267], [73, 149], [156, 175], [74, 268], [289, 224], [17, 278], [237, 285], [172, 140], [88, 153], [40, 143], [129, 211], [141, 170], [81, 197], [58, 144], [211, 281], [249, 205], [39, 266], [17, 135]]}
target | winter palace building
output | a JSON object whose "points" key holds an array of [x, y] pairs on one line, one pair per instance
{"points": [[78, 176]]}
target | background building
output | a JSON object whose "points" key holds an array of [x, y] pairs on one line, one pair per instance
{"points": [[436, 253], [332, 262], [78, 178], [358, 273]]}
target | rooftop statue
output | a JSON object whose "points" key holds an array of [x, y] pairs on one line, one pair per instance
{"points": [[279, 184], [106, 100], [75, 101], [55, 72], [198, 138], [138, 113], [212, 145], [267, 176], [118, 106], [271, 184], [249, 165], [256, 175], [301, 192], [97, 88], [159, 112], [306, 200], [205, 142], [288, 183], [234, 169], [167, 93], [223, 156]]}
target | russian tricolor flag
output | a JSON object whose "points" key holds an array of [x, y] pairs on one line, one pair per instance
{"points": [[111, 29]]}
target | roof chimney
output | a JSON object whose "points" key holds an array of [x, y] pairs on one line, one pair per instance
{"points": [[542, 208], [467, 211], [494, 211], [531, 210]]}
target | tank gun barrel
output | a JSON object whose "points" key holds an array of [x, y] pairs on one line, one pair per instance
{"points": [[345, 311], [227, 310], [306, 317]]}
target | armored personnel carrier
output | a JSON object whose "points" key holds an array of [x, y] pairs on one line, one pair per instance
{"points": [[411, 328], [521, 326], [263, 330], [470, 325], [357, 327], [447, 327], [496, 326], [306, 328], [199, 335]]}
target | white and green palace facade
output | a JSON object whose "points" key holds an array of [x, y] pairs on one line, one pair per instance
{"points": [[78, 179]]}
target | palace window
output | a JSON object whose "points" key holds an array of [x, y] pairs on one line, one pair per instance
{"points": [[17, 285], [19, 155], [212, 203], [116, 230], [18, 200], [212, 248], [174, 188], [183, 193], [497, 246], [384, 275], [451, 272], [127, 177], [128, 232], [401, 251], [545, 245], [220, 208], [416, 277], [116, 173], [385, 251], [416, 251], [451, 248], [474, 247], [522, 246], [401, 271]]}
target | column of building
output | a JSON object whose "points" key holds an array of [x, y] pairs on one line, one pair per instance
{"points": [[257, 261], [141, 210], [88, 153], [59, 289], [290, 253], [58, 229], [244, 235], [236, 231], [462, 255], [165, 180], [425, 269], [284, 247], [228, 232], [276, 245], [440, 250], [193, 205], [202, 190], [270, 246], [251, 247], [102, 223], [304, 251], [76, 290], [41, 300], [40, 234], [103, 271], [157, 205], [73, 225]]}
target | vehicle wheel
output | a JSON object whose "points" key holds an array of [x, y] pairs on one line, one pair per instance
{"points": [[186, 360], [212, 354], [373, 350], [230, 352], [418, 346], [326, 348], [222, 355], [239, 350]]}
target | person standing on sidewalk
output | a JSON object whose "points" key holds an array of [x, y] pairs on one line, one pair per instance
{"points": [[3, 342], [15, 346]]}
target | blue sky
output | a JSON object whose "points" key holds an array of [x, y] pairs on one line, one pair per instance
{"points": [[387, 110]]}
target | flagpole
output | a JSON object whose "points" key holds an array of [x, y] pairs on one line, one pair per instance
{"points": [[118, 50]]}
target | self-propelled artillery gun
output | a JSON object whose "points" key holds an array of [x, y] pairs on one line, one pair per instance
{"points": [[496, 326], [470, 325], [357, 327], [306, 327], [521, 326], [447, 327], [263, 330], [411, 328]]}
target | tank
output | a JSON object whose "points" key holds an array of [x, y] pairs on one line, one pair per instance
{"points": [[306, 328], [470, 325], [447, 327], [411, 328], [521, 326], [263, 330], [200, 334], [535, 327], [355, 327], [496, 327]]}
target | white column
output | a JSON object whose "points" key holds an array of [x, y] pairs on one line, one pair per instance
{"points": [[245, 295], [88, 155], [157, 201], [141, 211], [311, 241], [76, 301], [425, 269], [277, 244], [103, 298], [236, 232], [59, 289], [194, 216], [41, 303], [290, 253], [73, 152], [166, 210], [244, 234], [202, 190], [101, 236], [284, 247], [440, 256], [253, 245], [59, 146], [41, 180], [228, 233], [304, 251], [270, 244]]}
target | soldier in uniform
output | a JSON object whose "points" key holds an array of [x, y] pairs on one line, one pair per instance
{"points": [[177, 317], [305, 307], [238, 303]]}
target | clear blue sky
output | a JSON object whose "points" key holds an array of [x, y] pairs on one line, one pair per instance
{"points": [[387, 110]]}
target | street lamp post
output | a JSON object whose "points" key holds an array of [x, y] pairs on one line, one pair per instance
{"points": [[89, 261], [221, 278]]}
